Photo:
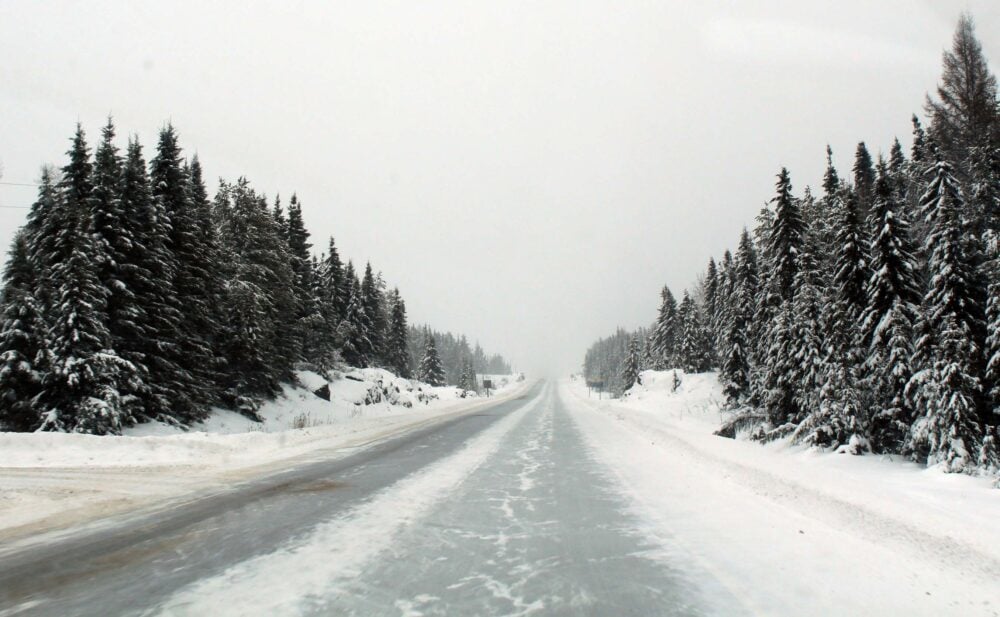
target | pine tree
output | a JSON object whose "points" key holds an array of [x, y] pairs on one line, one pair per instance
{"points": [[804, 365], [964, 115], [736, 364], [887, 326], [831, 181], [712, 307], [260, 304], [864, 179], [778, 387], [630, 369], [946, 389], [373, 299], [397, 357], [786, 237], [329, 283], [20, 341], [918, 150], [118, 242], [81, 388], [355, 327], [693, 347], [192, 283], [665, 331], [150, 341], [309, 320], [431, 372]]}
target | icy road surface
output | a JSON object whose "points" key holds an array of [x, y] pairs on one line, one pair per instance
{"points": [[500, 512]]}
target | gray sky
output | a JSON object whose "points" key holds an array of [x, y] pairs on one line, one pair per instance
{"points": [[529, 173]]}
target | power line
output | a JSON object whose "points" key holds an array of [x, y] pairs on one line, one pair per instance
{"points": [[18, 184], [17, 207]]}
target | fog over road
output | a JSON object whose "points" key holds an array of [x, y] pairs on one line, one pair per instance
{"points": [[501, 511]]}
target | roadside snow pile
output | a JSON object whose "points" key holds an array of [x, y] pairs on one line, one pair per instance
{"points": [[788, 529], [49, 480], [294, 418], [691, 397]]}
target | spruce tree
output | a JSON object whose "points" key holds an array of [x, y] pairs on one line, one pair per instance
{"points": [[630, 368], [803, 363], [864, 179], [893, 292], [80, 391], [693, 350], [372, 299], [397, 357], [785, 242], [712, 307], [119, 243], [150, 276], [355, 327], [21, 352], [431, 372], [946, 389], [665, 331], [260, 303], [192, 281], [736, 363]]}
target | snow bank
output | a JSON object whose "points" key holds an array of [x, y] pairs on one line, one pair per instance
{"points": [[290, 419], [790, 529], [51, 478]]}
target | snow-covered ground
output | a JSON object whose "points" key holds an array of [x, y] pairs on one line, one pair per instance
{"points": [[48, 480], [790, 530]]}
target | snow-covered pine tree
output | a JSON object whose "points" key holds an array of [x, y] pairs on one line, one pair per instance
{"points": [[665, 332], [467, 381], [841, 400], [897, 171], [693, 349], [329, 281], [736, 363], [193, 280], [893, 292], [147, 269], [81, 388], [992, 355], [630, 368], [117, 241], [786, 233], [864, 180], [946, 389], [785, 241], [260, 301], [777, 386], [279, 213], [816, 413], [310, 321], [373, 299], [355, 327], [431, 371], [21, 334], [712, 300], [919, 154], [398, 359]]}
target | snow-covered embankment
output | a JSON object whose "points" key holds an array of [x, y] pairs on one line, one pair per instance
{"points": [[50, 480], [792, 530]]}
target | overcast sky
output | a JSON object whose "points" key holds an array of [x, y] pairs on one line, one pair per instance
{"points": [[528, 173]]}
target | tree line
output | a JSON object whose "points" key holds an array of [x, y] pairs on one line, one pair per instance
{"points": [[130, 295], [865, 318]]}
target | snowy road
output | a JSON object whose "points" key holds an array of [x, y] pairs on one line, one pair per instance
{"points": [[548, 504], [498, 512]]}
